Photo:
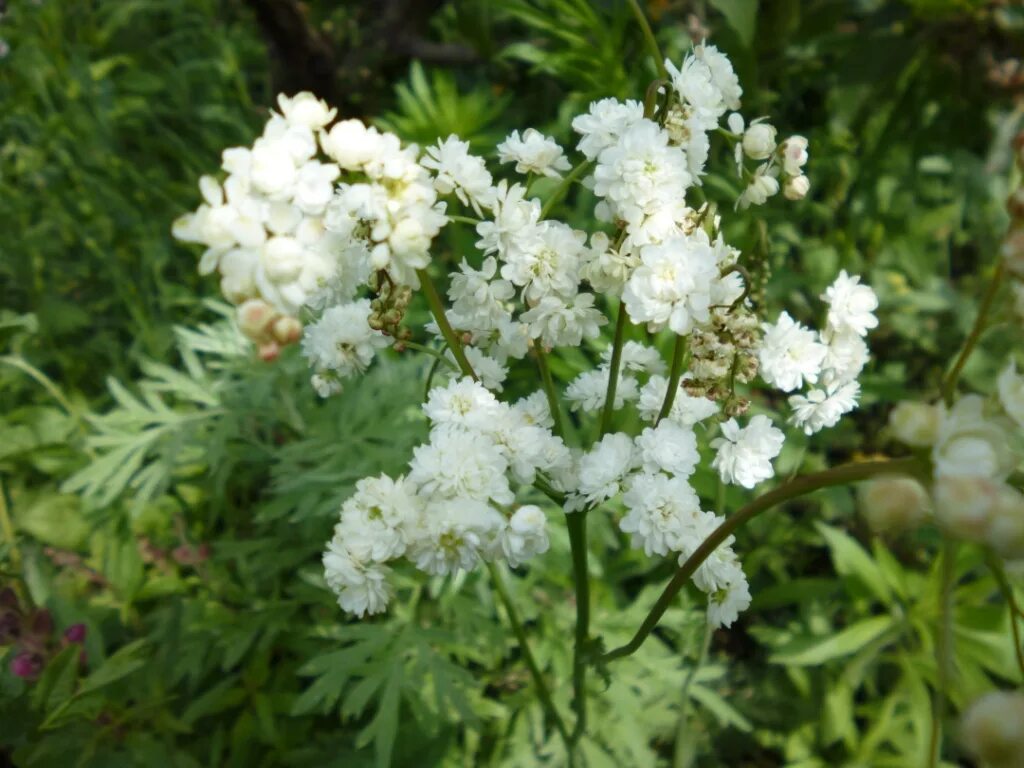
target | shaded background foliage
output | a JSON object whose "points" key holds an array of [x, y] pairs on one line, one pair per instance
{"points": [[172, 494]]}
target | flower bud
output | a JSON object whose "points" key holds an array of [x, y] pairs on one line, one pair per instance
{"points": [[993, 729], [915, 424], [26, 666], [75, 633], [963, 505], [794, 155], [796, 187], [893, 504], [253, 317], [268, 352], [286, 330], [759, 141]]}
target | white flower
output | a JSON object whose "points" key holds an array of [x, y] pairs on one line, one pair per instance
{"points": [[969, 444], [759, 140], [460, 172], [351, 144], [558, 323], [641, 173], [606, 120], [851, 305], [794, 155], [342, 340], [916, 424], [694, 82], [547, 261], [512, 216], [663, 512], [603, 468], [672, 285], [722, 74], [479, 300], [819, 409], [790, 354], [272, 171], [587, 391], [535, 410], [668, 447], [745, 454], [361, 589], [725, 604], [686, 410], [305, 110], [491, 372], [453, 535], [374, 520], [533, 153], [607, 269], [1011, 392], [314, 187], [762, 186], [463, 403], [460, 463], [525, 535], [847, 354]]}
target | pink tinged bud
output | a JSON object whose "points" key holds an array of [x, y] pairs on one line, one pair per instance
{"points": [[286, 330], [254, 316], [75, 633], [268, 352], [26, 666]]}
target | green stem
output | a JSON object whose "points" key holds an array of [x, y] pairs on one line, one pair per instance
{"points": [[463, 219], [549, 388], [949, 385], [800, 486], [943, 651], [437, 310], [562, 188], [613, 371], [1004, 586], [675, 374], [435, 353], [577, 524], [649, 39], [543, 692]]}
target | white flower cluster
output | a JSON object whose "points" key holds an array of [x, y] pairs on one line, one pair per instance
{"points": [[792, 355], [664, 513], [456, 506], [302, 220], [339, 243], [974, 447]]}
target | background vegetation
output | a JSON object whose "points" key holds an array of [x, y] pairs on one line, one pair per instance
{"points": [[168, 491]]}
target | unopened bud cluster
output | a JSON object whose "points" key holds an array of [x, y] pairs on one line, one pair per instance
{"points": [[388, 307]]}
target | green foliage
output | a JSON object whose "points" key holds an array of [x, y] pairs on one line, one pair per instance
{"points": [[173, 493]]}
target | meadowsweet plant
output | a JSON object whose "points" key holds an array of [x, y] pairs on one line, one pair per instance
{"points": [[322, 235]]}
